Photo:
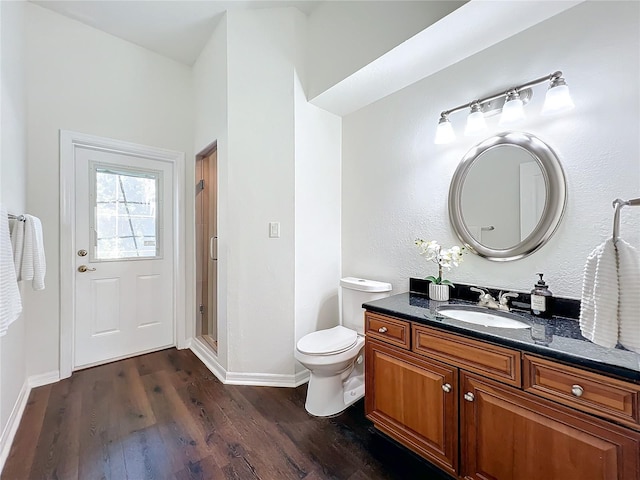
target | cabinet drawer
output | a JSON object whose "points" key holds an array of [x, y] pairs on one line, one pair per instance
{"points": [[586, 391], [499, 363], [387, 329]]}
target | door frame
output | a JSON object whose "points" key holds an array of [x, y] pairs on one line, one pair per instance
{"points": [[192, 328], [69, 142]]}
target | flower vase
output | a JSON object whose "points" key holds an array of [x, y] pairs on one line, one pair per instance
{"points": [[438, 292]]}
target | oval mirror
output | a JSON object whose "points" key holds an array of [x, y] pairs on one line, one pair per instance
{"points": [[507, 196]]}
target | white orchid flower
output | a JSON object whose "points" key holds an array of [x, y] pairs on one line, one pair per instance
{"points": [[445, 258]]}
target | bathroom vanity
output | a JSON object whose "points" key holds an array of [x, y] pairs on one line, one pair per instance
{"points": [[504, 404]]}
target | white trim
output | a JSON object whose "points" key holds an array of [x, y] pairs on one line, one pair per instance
{"points": [[69, 141], [203, 351], [43, 379], [9, 432], [263, 379], [13, 422], [302, 377]]}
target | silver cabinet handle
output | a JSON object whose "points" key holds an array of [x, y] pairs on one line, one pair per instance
{"points": [[577, 390], [446, 387], [469, 397], [84, 268], [382, 329]]}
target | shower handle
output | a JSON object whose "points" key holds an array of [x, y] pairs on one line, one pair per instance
{"points": [[213, 248]]}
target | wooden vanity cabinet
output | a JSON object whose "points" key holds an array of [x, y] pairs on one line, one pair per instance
{"points": [[414, 401], [459, 403], [506, 434]]}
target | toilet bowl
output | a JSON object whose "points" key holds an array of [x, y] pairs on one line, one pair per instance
{"points": [[335, 356]]}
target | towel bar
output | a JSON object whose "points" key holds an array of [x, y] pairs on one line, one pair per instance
{"points": [[618, 204], [20, 218]]}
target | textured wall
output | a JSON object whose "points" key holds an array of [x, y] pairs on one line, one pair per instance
{"points": [[13, 195], [81, 79], [396, 181], [210, 124], [260, 280], [317, 217]]}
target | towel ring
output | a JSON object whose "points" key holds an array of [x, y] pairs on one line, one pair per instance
{"points": [[618, 204]]}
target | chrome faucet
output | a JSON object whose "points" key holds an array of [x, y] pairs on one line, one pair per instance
{"points": [[504, 300], [486, 300]]}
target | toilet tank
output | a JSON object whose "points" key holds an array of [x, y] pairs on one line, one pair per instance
{"points": [[356, 291]]}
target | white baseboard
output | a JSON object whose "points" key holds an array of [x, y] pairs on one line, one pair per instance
{"points": [[9, 432], [302, 377], [260, 379], [203, 351], [13, 422], [44, 379]]}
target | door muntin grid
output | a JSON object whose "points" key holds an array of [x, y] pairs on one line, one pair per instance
{"points": [[126, 207]]}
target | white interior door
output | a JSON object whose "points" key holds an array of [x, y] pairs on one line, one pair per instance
{"points": [[124, 256]]}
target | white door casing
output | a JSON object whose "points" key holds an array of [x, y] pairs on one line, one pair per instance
{"points": [[127, 306]]}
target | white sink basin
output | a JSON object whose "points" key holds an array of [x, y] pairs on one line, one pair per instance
{"points": [[483, 316]]}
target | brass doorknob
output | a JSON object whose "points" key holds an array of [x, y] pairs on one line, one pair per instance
{"points": [[84, 268]]}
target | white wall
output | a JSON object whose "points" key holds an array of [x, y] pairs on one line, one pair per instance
{"points": [[260, 281], [13, 167], [344, 36], [279, 161], [210, 124], [396, 181], [318, 136], [84, 80]]}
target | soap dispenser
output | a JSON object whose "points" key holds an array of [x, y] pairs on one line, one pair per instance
{"points": [[541, 299]]}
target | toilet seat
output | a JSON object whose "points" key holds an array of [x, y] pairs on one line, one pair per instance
{"points": [[328, 342]]}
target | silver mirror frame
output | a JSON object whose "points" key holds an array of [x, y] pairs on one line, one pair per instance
{"points": [[554, 205]]}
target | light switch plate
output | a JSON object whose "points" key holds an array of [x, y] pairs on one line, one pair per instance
{"points": [[274, 229]]}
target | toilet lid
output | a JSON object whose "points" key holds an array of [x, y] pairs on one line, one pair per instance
{"points": [[325, 342]]}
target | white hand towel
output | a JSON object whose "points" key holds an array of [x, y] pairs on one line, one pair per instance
{"points": [[33, 261], [10, 303], [599, 302], [17, 242], [629, 306]]}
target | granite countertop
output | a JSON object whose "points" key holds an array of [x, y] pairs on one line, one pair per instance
{"points": [[558, 337]]}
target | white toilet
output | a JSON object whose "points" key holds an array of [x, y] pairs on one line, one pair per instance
{"points": [[335, 356]]}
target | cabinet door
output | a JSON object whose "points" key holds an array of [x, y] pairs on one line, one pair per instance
{"points": [[506, 434], [414, 401]]}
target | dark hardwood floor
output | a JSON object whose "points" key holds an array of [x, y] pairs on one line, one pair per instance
{"points": [[165, 416]]}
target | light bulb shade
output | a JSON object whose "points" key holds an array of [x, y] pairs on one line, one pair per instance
{"points": [[512, 111], [444, 132], [557, 99], [476, 124]]}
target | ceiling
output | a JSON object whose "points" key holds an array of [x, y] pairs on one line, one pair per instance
{"points": [[178, 29]]}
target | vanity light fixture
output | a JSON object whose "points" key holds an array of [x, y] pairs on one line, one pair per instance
{"points": [[476, 124], [510, 103], [512, 110], [444, 132], [558, 98]]}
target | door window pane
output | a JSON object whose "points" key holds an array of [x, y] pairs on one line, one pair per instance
{"points": [[126, 220]]}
